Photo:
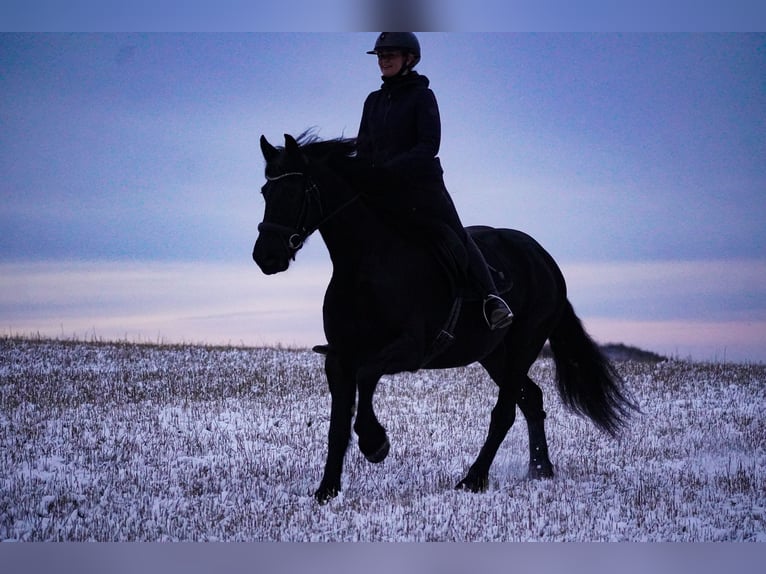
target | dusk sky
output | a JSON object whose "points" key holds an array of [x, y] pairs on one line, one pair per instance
{"points": [[130, 175]]}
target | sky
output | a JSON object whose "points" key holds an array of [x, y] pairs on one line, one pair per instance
{"points": [[130, 173]]}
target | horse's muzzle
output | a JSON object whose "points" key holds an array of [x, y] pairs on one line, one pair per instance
{"points": [[270, 258]]}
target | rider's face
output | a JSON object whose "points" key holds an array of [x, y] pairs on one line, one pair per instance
{"points": [[390, 62]]}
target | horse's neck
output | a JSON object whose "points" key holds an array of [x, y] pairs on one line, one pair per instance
{"points": [[355, 230], [352, 233]]}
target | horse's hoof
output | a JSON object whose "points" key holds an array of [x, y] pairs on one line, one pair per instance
{"points": [[473, 484], [379, 455], [540, 471], [325, 494]]}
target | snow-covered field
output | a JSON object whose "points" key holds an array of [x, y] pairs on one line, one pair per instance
{"points": [[118, 442]]}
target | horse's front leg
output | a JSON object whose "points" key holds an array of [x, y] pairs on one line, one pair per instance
{"points": [[343, 393], [402, 354], [373, 441]]}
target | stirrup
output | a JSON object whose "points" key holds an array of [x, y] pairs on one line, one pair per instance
{"points": [[501, 316]]}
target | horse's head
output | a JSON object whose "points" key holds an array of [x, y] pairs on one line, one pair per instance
{"points": [[289, 214]]}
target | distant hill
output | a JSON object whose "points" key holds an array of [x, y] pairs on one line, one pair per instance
{"points": [[619, 352]]}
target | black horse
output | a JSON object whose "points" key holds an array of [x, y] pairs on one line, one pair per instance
{"points": [[393, 305]]}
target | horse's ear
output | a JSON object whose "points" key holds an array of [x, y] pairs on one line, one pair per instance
{"points": [[294, 151], [268, 150], [291, 145]]}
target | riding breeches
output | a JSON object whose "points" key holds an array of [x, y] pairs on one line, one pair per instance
{"points": [[431, 200]]}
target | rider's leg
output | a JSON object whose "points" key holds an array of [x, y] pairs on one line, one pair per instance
{"points": [[496, 311], [406, 198]]}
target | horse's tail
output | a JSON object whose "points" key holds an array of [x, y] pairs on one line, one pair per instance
{"points": [[588, 383]]}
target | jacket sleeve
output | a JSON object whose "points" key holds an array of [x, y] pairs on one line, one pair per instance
{"points": [[421, 157], [363, 138]]}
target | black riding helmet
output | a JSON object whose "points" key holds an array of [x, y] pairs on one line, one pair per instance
{"points": [[405, 41]]}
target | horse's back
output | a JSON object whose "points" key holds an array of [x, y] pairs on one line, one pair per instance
{"points": [[502, 238], [530, 281], [518, 257]]}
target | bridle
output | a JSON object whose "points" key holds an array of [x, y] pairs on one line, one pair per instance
{"points": [[297, 235]]}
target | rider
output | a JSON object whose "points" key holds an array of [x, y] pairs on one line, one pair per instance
{"points": [[400, 132]]}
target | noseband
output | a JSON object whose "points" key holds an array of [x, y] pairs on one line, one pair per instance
{"points": [[298, 234]]}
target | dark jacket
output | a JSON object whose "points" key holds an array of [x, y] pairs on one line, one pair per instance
{"points": [[400, 128]]}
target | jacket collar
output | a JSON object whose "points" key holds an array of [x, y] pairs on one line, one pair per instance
{"points": [[410, 79]]}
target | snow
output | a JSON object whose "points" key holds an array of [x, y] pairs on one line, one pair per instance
{"points": [[122, 442]]}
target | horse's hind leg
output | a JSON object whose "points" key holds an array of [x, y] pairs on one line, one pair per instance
{"points": [[524, 344], [515, 387], [502, 418], [530, 401]]}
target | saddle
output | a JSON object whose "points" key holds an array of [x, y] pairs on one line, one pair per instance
{"points": [[452, 256], [448, 251]]}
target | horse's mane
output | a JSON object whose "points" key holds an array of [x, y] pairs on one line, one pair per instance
{"points": [[315, 147], [340, 155]]}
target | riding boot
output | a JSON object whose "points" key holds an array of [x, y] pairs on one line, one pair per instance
{"points": [[497, 314]]}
